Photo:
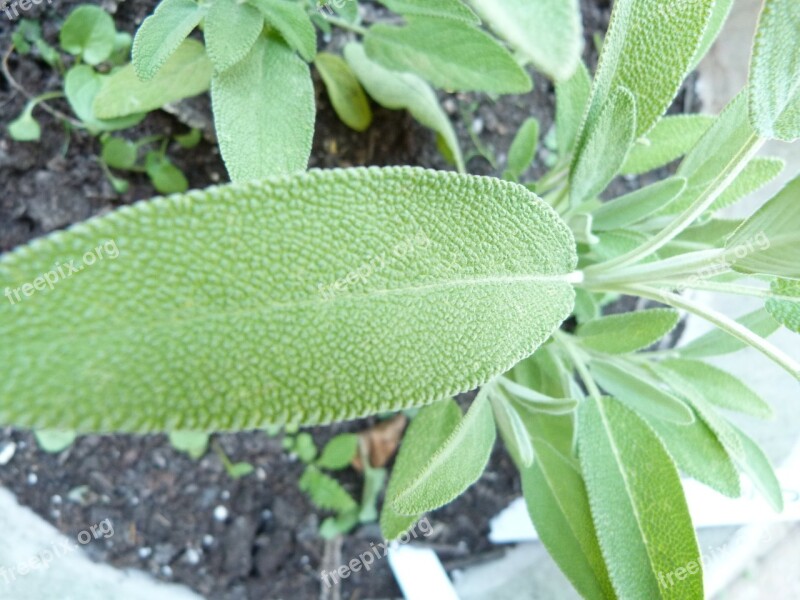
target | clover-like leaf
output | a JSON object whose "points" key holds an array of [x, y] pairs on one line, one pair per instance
{"points": [[89, 32]]}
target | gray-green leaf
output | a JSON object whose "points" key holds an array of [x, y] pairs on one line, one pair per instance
{"points": [[82, 84], [231, 29], [443, 9], [186, 73], [546, 32], [456, 465], [523, 148], [404, 91], [292, 22], [572, 97], [784, 306], [775, 71], [717, 342], [512, 429], [264, 112], [449, 54], [312, 277], [346, 94], [637, 503], [162, 33], [628, 332], [637, 205], [670, 138]]}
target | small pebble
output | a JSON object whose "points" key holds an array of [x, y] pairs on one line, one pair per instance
{"points": [[208, 539], [145, 552], [477, 126], [7, 452], [192, 556], [33, 478], [220, 513], [166, 571]]}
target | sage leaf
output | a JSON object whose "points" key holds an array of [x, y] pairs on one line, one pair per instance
{"points": [[775, 72], [444, 9], [717, 342], [628, 332], [427, 433], [719, 14], [404, 91], [512, 429], [637, 205], [346, 94], [720, 387], [231, 28], [449, 54], [605, 149], [760, 471], [784, 306], [636, 389], [572, 97], [264, 112], [557, 502], [292, 22], [670, 138], [769, 241], [637, 504], [697, 451], [162, 33], [547, 33], [90, 33], [523, 149], [634, 55], [389, 268], [456, 465], [186, 73]]}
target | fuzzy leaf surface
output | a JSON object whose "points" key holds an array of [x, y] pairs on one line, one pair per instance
{"points": [[670, 138], [292, 22], [346, 94], [628, 332], [330, 295], [231, 29], [785, 305]]}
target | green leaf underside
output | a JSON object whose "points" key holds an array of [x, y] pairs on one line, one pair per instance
{"points": [[628, 332], [670, 138], [346, 94], [231, 29], [404, 91], [448, 54], [717, 342], [292, 22], [162, 33], [428, 431], [292, 319], [637, 504], [785, 307], [760, 471], [769, 241], [445, 9], [720, 387], [775, 71], [606, 146], [264, 112], [186, 73], [456, 465], [546, 32], [635, 389], [637, 205], [559, 508], [634, 54]]}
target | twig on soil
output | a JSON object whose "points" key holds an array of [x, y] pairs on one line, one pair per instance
{"points": [[331, 560], [17, 86]]}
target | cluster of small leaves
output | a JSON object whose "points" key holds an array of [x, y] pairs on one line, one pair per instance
{"points": [[600, 420], [96, 79]]}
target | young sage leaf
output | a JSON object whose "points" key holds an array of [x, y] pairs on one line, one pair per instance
{"points": [[346, 94], [572, 96], [523, 149], [264, 112], [628, 332], [292, 22], [443, 9], [637, 205], [717, 342], [231, 29], [670, 138]]}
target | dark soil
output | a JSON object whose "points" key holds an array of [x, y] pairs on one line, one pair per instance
{"points": [[161, 502]]}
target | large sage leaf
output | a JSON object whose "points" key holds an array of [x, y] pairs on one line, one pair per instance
{"points": [[264, 112], [638, 506], [775, 71], [443, 9], [456, 465], [319, 297], [162, 32], [187, 72], [784, 305], [546, 32], [404, 91], [449, 54]]}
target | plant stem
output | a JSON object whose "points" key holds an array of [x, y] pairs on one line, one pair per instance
{"points": [[693, 212], [341, 23], [728, 288], [580, 365], [719, 320], [686, 266]]}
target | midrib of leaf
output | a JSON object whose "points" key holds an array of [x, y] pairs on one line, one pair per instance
{"points": [[618, 462], [102, 331]]}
